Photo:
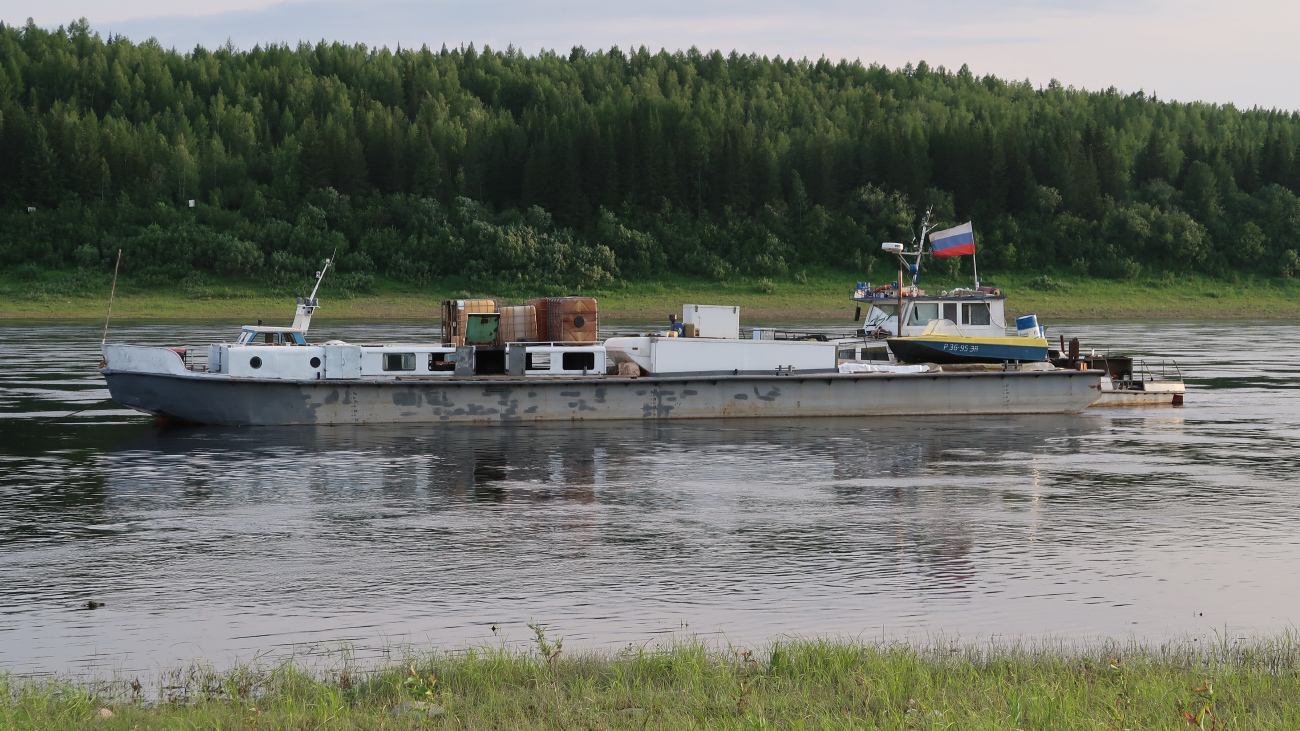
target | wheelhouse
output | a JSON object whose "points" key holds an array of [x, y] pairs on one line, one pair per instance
{"points": [[259, 335], [964, 311]]}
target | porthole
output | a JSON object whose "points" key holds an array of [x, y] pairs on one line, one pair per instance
{"points": [[315, 362], [256, 362]]}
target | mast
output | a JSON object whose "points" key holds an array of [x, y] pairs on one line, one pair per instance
{"points": [[319, 276], [913, 268], [303, 312], [111, 293], [899, 314]]}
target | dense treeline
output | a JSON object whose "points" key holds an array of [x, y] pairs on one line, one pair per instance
{"points": [[579, 170]]}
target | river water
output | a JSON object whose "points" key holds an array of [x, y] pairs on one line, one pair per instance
{"points": [[223, 543]]}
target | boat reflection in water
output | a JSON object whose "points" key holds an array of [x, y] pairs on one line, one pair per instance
{"points": [[803, 514]]}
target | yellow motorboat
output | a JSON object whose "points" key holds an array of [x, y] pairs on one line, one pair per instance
{"points": [[944, 342]]}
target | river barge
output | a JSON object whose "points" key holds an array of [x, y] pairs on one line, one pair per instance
{"points": [[543, 362], [272, 375], [156, 381]]}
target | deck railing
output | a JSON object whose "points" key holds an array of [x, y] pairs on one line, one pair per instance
{"points": [[194, 360], [1166, 370]]}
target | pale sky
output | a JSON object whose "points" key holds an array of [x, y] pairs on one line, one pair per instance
{"points": [[1243, 52]]}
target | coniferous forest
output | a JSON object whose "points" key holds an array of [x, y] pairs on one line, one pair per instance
{"points": [[579, 170]]}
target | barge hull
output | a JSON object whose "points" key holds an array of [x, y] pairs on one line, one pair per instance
{"points": [[214, 399], [1138, 398]]}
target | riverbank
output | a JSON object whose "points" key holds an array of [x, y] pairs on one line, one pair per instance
{"points": [[819, 296], [789, 685]]}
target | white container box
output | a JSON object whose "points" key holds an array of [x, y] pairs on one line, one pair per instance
{"points": [[663, 356], [713, 321], [560, 360]]}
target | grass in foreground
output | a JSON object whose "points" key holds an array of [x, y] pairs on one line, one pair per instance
{"points": [[815, 294], [789, 685]]}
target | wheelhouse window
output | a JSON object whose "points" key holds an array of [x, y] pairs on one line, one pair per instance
{"points": [[442, 361], [923, 313], [975, 314], [950, 311], [578, 362], [879, 314], [538, 362], [848, 354], [399, 361], [252, 337]]}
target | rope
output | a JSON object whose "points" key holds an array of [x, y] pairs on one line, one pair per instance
{"points": [[65, 416]]}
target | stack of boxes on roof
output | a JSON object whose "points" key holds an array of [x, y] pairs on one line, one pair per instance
{"points": [[543, 320], [547, 336]]}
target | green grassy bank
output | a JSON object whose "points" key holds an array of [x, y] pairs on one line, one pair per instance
{"points": [[815, 295], [789, 685]]}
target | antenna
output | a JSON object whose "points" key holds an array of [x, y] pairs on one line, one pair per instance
{"points": [[926, 228]]}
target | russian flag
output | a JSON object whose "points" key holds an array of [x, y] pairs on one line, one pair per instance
{"points": [[954, 241]]}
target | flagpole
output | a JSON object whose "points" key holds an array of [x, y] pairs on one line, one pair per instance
{"points": [[976, 268]]}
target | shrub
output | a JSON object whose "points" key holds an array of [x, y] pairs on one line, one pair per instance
{"points": [[238, 256], [86, 256], [1289, 263], [351, 283], [28, 272], [1122, 269], [1045, 284]]}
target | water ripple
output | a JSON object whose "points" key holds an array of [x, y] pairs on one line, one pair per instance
{"points": [[225, 542]]}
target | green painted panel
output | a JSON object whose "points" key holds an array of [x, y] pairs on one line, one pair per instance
{"points": [[482, 329]]}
